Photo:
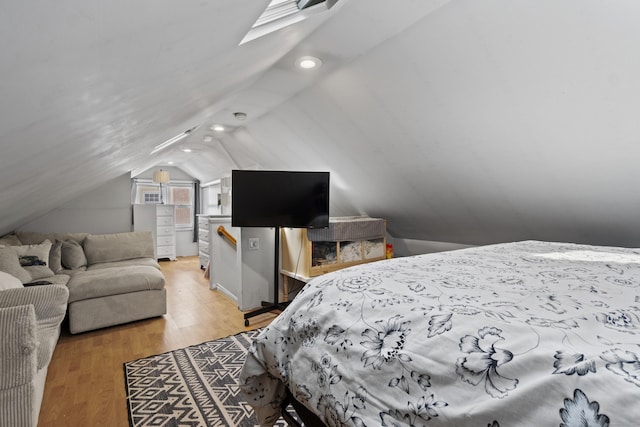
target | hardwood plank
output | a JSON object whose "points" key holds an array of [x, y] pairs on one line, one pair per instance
{"points": [[85, 382]]}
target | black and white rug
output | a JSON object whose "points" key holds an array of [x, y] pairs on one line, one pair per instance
{"points": [[192, 386]]}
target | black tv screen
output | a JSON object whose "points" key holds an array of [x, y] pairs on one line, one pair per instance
{"points": [[279, 199]]}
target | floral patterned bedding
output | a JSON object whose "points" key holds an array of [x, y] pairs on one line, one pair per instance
{"points": [[517, 334]]}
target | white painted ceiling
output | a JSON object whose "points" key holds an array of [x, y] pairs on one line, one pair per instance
{"points": [[468, 121]]}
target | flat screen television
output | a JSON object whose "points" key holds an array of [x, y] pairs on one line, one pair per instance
{"points": [[279, 199]]}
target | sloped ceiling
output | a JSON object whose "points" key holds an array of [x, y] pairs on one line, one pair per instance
{"points": [[468, 121]]}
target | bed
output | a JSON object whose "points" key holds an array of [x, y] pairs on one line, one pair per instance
{"points": [[518, 334]]}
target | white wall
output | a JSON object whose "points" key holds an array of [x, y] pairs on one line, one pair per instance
{"points": [[185, 246], [408, 247], [106, 209], [244, 275], [257, 267], [210, 197], [175, 174], [484, 122]]}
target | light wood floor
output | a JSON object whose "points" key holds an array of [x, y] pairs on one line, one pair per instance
{"points": [[85, 382]]}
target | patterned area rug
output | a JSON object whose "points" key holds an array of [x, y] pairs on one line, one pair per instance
{"points": [[193, 386]]}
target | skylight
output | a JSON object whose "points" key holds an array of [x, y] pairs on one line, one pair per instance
{"points": [[277, 9], [282, 13]]}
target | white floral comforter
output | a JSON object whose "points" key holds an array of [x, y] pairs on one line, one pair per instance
{"points": [[518, 334]]}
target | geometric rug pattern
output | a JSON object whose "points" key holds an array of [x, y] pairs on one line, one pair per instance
{"points": [[193, 386]]}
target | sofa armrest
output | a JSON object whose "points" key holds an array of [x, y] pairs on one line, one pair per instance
{"points": [[49, 303], [18, 345]]}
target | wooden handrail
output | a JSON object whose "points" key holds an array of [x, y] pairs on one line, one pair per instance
{"points": [[224, 233]]}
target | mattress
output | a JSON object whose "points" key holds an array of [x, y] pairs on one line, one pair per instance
{"points": [[517, 334]]}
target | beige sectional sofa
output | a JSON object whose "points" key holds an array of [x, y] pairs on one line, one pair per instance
{"points": [[96, 280], [112, 278]]}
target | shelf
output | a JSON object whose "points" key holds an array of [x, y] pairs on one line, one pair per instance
{"points": [[302, 258]]}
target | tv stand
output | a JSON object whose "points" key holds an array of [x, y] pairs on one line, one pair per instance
{"points": [[276, 305]]}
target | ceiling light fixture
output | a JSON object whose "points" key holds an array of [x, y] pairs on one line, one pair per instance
{"points": [[217, 128], [308, 62], [207, 138], [240, 115], [173, 140], [187, 150]]}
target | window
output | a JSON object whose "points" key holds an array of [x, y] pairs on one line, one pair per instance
{"points": [[282, 13], [179, 194], [146, 192], [151, 197]]}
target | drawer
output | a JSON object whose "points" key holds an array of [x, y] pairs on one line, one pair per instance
{"points": [[203, 246], [204, 236], [164, 220], [165, 231], [165, 251], [165, 241], [164, 211]]}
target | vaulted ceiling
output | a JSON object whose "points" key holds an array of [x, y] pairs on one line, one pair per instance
{"points": [[469, 121]]}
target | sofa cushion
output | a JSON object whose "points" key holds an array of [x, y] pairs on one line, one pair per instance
{"points": [[38, 272], [118, 246], [33, 237], [55, 257], [114, 281], [34, 259], [73, 256], [7, 281], [72, 272], [127, 262], [10, 263], [58, 279]]}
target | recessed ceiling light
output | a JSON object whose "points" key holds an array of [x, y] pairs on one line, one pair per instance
{"points": [[170, 162], [217, 128], [207, 138], [308, 62], [240, 115], [186, 150]]}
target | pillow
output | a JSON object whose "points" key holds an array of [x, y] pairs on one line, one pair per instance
{"points": [[7, 281], [55, 257], [72, 255], [9, 263], [35, 259]]}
